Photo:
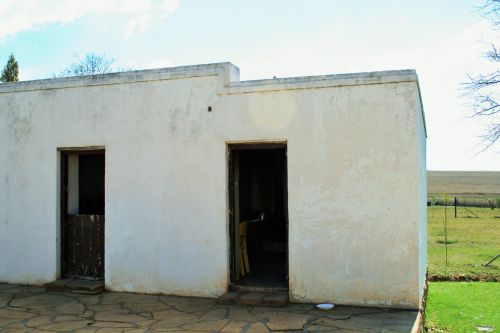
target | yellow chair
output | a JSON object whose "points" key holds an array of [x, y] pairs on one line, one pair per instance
{"points": [[244, 264]]}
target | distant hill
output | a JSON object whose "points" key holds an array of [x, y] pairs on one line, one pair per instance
{"points": [[469, 183]]}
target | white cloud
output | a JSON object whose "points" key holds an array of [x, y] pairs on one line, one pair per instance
{"points": [[169, 6], [139, 23], [20, 15], [136, 25]]}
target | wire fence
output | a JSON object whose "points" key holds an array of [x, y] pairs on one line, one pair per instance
{"points": [[463, 241]]}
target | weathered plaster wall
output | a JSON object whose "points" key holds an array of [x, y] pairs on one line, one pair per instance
{"points": [[354, 178], [422, 199]]}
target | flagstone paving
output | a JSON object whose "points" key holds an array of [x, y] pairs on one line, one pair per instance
{"points": [[33, 309]]}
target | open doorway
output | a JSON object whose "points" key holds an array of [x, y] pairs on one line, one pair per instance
{"points": [[82, 214], [258, 215]]}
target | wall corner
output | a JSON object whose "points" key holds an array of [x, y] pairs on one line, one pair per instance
{"points": [[231, 73]]}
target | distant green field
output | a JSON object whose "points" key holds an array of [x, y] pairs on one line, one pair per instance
{"points": [[471, 243], [463, 307]]}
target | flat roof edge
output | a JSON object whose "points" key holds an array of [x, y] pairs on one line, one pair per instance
{"points": [[323, 81], [120, 77], [228, 71]]}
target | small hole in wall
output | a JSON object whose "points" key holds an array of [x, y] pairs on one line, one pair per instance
{"points": [[209, 109]]}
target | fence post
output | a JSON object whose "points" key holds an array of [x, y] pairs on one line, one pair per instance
{"points": [[455, 203]]}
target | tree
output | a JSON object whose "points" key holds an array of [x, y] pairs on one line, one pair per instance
{"points": [[91, 64], [10, 72], [483, 88]]}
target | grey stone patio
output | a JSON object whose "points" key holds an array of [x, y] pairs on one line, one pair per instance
{"points": [[33, 309]]}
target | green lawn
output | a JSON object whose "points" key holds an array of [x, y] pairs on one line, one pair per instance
{"points": [[463, 306], [471, 242]]}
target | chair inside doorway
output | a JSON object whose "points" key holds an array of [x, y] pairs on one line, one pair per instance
{"points": [[258, 200]]}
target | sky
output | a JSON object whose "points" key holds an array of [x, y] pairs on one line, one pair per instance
{"points": [[443, 40]]}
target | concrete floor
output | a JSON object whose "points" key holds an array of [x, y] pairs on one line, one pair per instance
{"points": [[33, 309]]}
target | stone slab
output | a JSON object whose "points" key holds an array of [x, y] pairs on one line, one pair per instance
{"points": [[76, 286], [57, 285], [251, 298], [227, 298], [255, 298], [275, 299]]}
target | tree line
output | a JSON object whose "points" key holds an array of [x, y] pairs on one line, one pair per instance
{"points": [[90, 64]]}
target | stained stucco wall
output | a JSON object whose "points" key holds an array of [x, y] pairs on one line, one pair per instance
{"points": [[422, 199], [354, 178]]}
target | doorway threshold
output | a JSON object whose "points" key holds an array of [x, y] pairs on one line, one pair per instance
{"points": [[254, 298], [263, 289], [76, 286]]}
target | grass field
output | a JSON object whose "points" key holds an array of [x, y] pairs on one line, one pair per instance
{"points": [[471, 243], [463, 307], [464, 183]]}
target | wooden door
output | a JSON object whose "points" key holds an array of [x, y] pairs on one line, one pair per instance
{"points": [[85, 246], [285, 208], [234, 214], [82, 214]]}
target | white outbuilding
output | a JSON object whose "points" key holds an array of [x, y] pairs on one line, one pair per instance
{"points": [[188, 181]]}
